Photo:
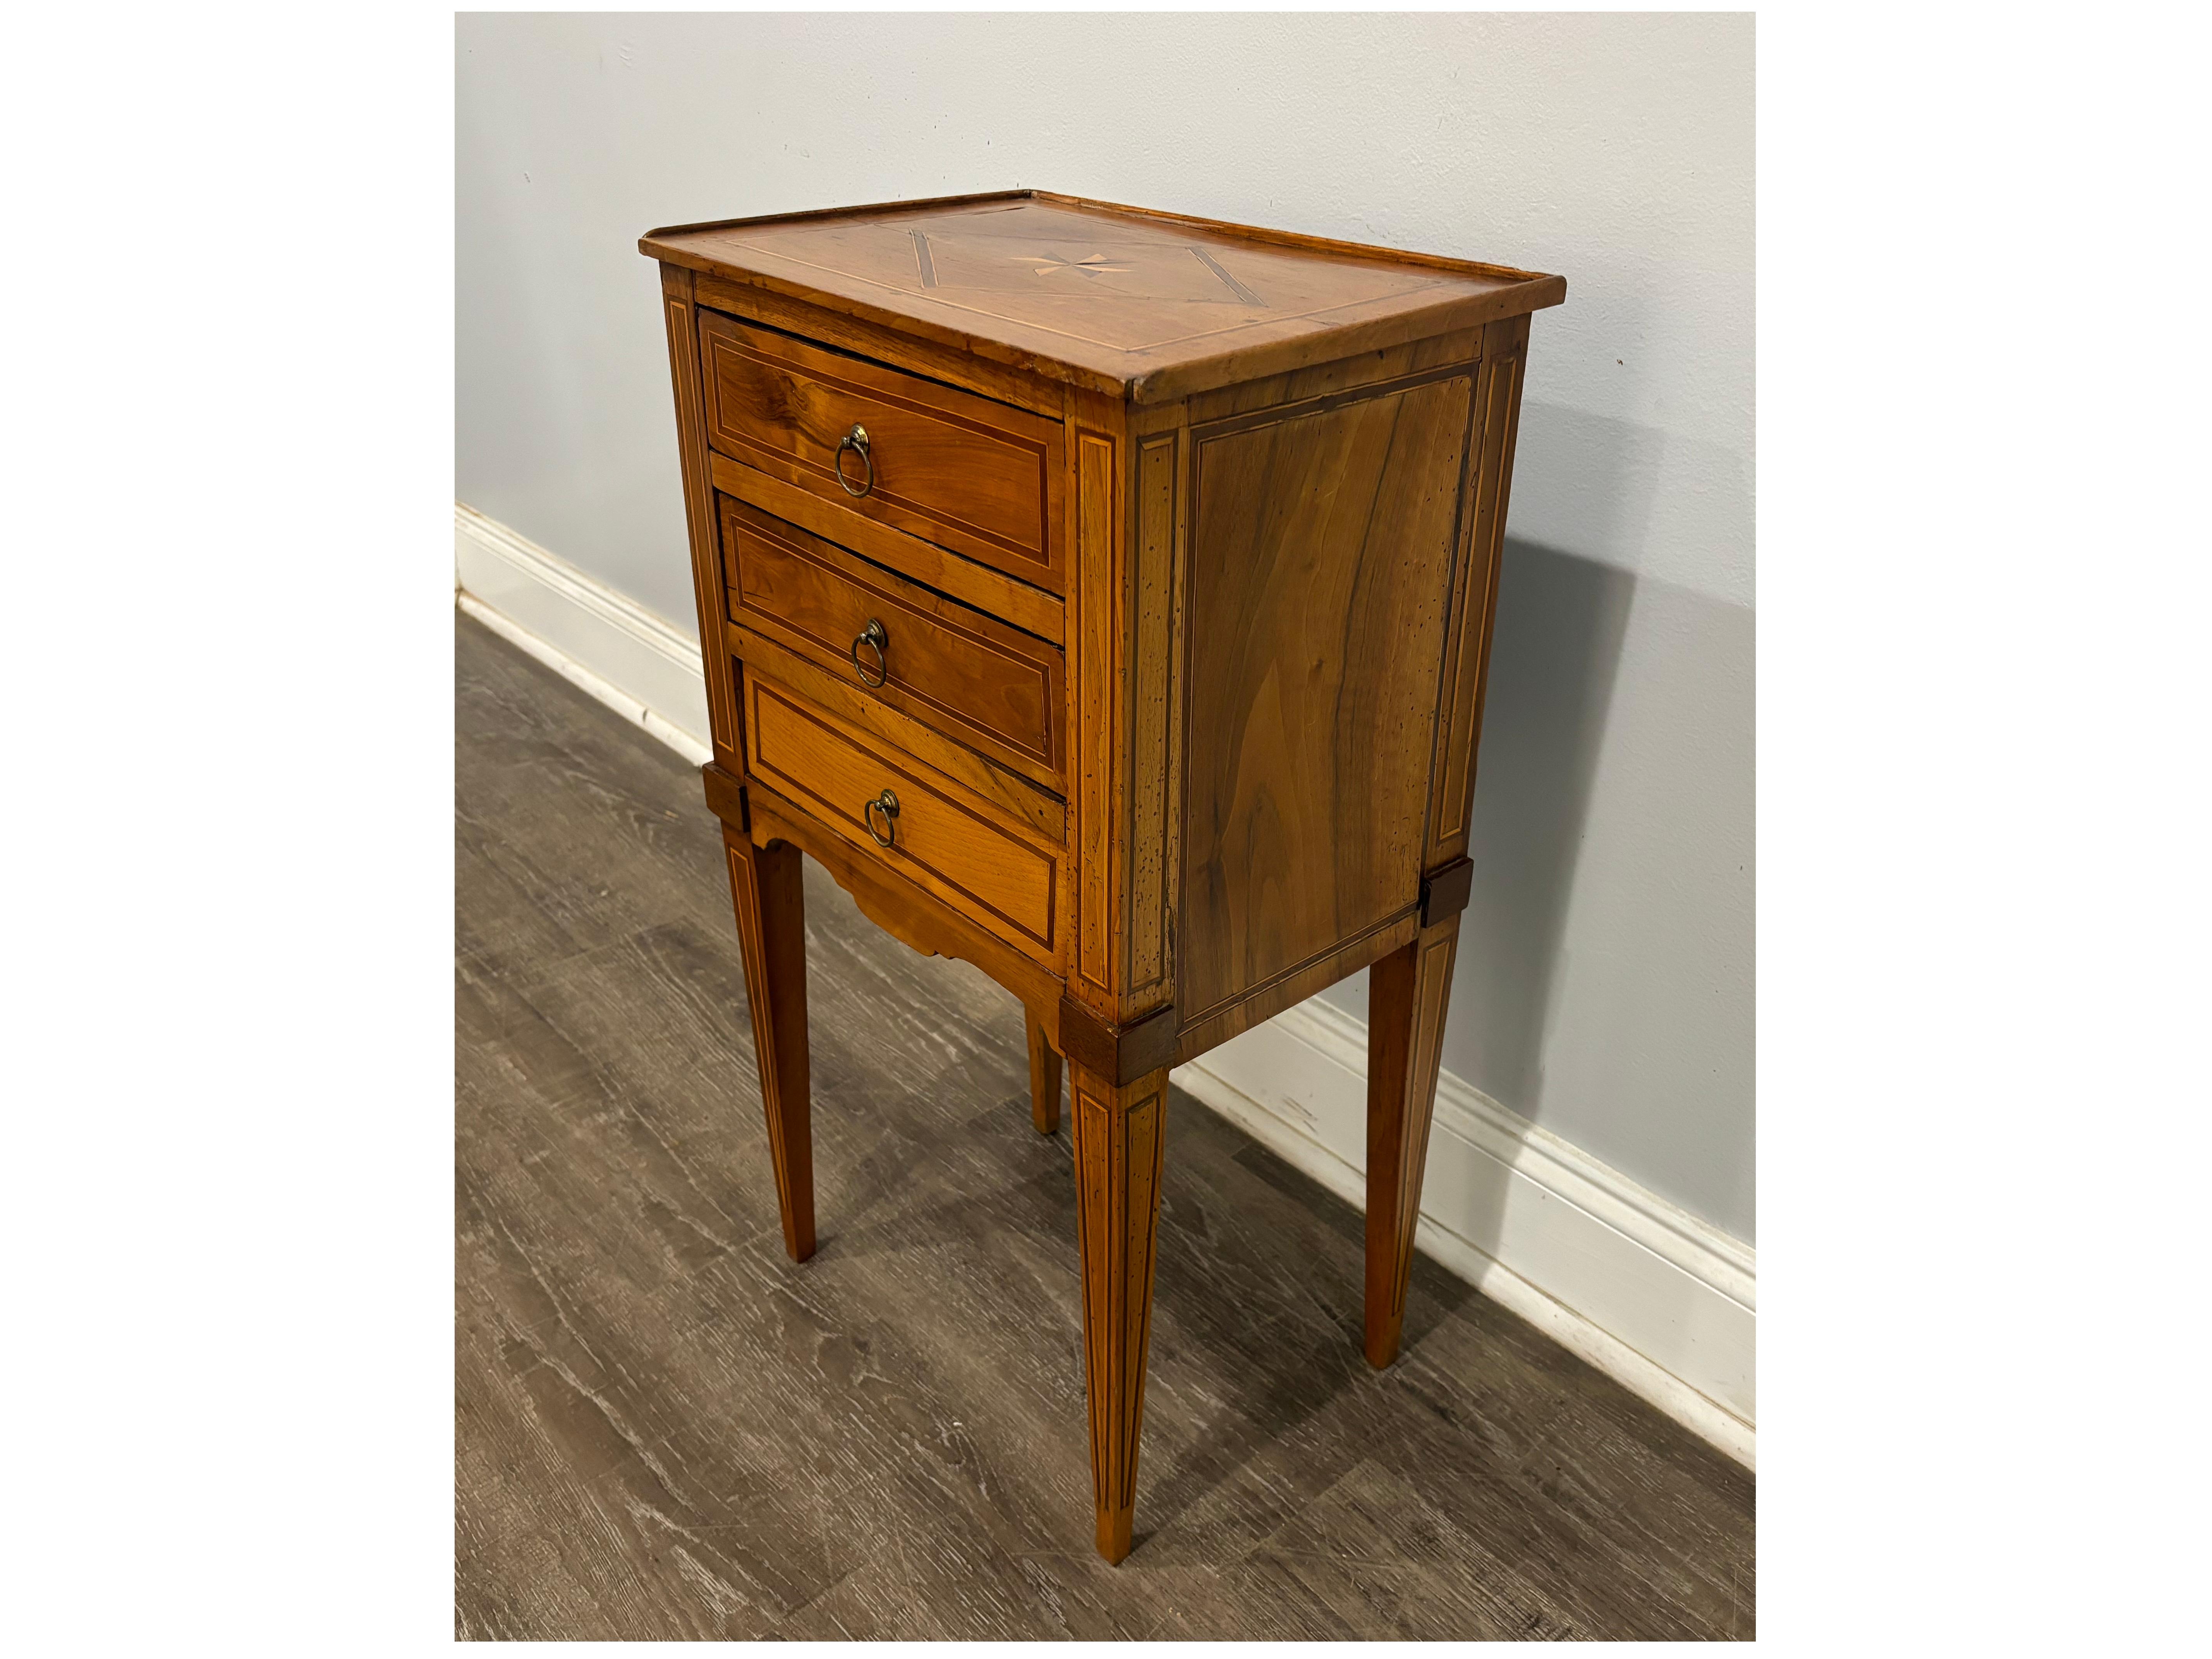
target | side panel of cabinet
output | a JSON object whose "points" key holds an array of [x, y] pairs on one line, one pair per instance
{"points": [[1126, 676], [1474, 589], [681, 315], [1323, 536]]}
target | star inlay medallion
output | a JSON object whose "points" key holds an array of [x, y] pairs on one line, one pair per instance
{"points": [[1093, 265]]}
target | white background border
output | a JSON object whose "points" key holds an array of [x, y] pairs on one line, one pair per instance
{"points": [[1982, 881]]}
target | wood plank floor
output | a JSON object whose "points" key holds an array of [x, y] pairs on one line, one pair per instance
{"points": [[663, 1428]]}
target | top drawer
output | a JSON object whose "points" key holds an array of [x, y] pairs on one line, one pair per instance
{"points": [[980, 478]]}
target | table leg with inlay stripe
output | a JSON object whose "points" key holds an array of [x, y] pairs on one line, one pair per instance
{"points": [[771, 905]]}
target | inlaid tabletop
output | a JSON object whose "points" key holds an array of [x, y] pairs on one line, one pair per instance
{"points": [[1122, 294]]}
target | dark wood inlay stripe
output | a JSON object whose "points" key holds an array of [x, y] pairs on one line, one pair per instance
{"points": [[1233, 285]]}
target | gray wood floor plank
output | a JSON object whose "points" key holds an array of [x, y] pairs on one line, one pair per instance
{"points": [[665, 1429]]}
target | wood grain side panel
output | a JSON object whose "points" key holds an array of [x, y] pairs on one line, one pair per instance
{"points": [[944, 464], [680, 314], [1097, 676], [966, 674], [1320, 569], [1474, 594], [1153, 728]]}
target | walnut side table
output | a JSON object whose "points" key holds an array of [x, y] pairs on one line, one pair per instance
{"points": [[1102, 596]]}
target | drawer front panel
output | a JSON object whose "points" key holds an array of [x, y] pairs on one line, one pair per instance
{"points": [[979, 478], [963, 674], [988, 870]]}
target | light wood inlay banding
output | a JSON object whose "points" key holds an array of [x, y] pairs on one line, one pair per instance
{"points": [[1118, 1151], [1097, 673], [1474, 598], [764, 888], [1151, 719]]}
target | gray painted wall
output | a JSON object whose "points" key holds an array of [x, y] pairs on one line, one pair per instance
{"points": [[1604, 986]]}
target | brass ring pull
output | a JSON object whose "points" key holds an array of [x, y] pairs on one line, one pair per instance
{"points": [[875, 638], [887, 804], [857, 441]]}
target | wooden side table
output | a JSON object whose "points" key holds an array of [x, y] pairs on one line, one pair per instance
{"points": [[1102, 596]]}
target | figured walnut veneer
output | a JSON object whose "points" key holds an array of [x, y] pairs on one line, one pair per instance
{"points": [[1162, 621]]}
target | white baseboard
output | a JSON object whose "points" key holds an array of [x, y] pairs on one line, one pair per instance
{"points": [[1661, 1301], [644, 667], [1657, 1299]]}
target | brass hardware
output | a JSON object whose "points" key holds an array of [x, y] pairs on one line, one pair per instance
{"points": [[857, 441], [875, 638], [887, 804]]}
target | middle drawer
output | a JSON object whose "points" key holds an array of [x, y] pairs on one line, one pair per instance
{"points": [[965, 675]]}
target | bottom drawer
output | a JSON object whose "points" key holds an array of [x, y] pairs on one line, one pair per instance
{"points": [[997, 874]]}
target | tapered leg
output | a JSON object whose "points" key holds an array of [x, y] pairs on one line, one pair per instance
{"points": [[1044, 1080], [772, 932], [1119, 1135], [1406, 997]]}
